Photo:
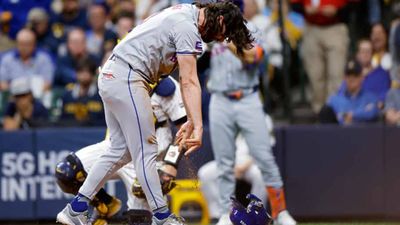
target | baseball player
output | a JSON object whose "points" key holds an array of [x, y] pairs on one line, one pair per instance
{"points": [[150, 51], [70, 172], [245, 169], [235, 106]]}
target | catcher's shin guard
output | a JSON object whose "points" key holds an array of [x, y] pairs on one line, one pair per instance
{"points": [[138, 217], [276, 197]]}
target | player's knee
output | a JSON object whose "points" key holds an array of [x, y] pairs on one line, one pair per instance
{"points": [[70, 174]]}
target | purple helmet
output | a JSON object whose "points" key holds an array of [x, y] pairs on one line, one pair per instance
{"points": [[253, 214]]}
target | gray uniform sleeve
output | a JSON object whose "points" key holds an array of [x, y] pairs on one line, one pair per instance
{"points": [[186, 38]]}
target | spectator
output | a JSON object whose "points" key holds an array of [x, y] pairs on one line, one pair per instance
{"points": [[123, 7], [24, 111], [325, 45], [379, 41], [99, 38], [71, 16], [6, 43], [82, 104], [392, 107], [38, 22], [376, 79], [76, 51], [354, 105], [124, 24], [394, 44], [17, 10], [267, 22], [27, 61], [147, 8]]}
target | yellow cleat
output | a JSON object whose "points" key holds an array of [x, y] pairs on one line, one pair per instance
{"points": [[113, 207], [102, 209], [100, 222]]}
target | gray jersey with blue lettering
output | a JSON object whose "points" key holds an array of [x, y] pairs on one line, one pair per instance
{"points": [[227, 72], [151, 47], [230, 116]]}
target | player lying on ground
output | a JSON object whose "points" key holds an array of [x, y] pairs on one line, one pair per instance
{"points": [[167, 105]]}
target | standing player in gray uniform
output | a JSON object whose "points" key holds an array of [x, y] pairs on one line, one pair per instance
{"points": [[235, 106], [166, 101], [150, 51]]}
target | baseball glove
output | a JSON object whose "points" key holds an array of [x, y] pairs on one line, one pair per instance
{"points": [[167, 184]]}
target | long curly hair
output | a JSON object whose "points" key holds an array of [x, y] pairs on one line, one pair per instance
{"points": [[235, 25]]}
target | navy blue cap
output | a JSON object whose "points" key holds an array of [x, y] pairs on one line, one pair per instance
{"points": [[353, 68]]}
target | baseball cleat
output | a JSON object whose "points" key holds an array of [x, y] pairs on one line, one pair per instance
{"points": [[100, 222], [170, 220], [224, 220], [113, 207], [96, 218], [284, 218], [69, 217]]}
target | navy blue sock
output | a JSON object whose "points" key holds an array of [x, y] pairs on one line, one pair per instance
{"points": [[80, 203], [162, 216]]}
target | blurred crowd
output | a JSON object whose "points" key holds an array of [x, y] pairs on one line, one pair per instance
{"points": [[343, 53]]}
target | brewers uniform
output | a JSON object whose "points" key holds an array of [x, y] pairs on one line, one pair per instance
{"points": [[235, 106], [147, 53], [165, 108]]}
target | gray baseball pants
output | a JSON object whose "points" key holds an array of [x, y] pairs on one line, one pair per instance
{"points": [[227, 118], [129, 118]]}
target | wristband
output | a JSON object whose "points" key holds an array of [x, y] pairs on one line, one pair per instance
{"points": [[173, 156]]}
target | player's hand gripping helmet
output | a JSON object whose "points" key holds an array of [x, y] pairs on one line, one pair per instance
{"points": [[253, 214]]}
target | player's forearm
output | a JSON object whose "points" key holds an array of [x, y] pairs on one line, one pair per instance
{"points": [[250, 56], [190, 88], [191, 95]]}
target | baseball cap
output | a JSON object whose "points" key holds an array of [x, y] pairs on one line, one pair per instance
{"points": [[353, 68], [37, 15], [20, 86]]}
